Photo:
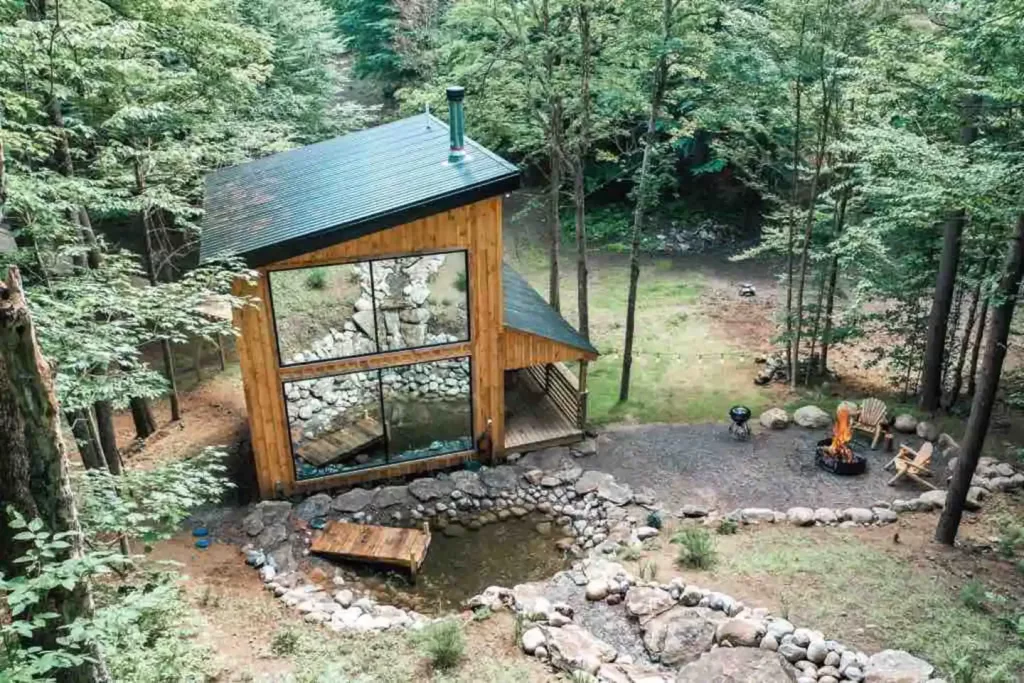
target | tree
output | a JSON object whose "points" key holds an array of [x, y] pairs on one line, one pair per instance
{"points": [[34, 479], [984, 398]]}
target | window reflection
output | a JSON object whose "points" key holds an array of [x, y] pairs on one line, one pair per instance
{"points": [[421, 300], [428, 409], [323, 313], [335, 423]]}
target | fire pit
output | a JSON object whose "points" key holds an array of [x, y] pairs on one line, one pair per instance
{"points": [[836, 455]]}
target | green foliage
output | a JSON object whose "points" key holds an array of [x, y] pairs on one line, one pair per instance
{"points": [[461, 283], [654, 519], [373, 28], [1011, 537], [629, 553], [727, 526], [149, 504], [696, 548], [581, 676], [316, 278], [482, 613], [648, 570], [974, 595], [444, 644], [285, 642]]}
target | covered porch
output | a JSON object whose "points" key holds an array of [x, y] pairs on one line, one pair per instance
{"points": [[544, 406], [545, 401]]}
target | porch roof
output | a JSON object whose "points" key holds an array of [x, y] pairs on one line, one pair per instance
{"points": [[526, 311]]}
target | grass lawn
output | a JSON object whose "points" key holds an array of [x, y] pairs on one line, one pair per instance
{"points": [[685, 367], [869, 591]]}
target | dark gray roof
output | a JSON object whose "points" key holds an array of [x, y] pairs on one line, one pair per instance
{"points": [[526, 311], [305, 199]]}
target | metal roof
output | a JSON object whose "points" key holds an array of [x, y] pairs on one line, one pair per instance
{"points": [[526, 311], [308, 198]]}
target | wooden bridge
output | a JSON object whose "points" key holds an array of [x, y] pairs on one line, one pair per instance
{"points": [[406, 548]]}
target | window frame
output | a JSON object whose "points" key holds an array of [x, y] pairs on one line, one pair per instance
{"points": [[281, 364]]}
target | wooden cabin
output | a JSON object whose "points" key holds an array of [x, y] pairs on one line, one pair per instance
{"points": [[387, 335]]}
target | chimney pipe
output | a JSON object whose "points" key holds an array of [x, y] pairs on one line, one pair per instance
{"points": [[456, 123]]}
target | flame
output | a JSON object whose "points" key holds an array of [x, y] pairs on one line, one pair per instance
{"points": [[841, 435]]}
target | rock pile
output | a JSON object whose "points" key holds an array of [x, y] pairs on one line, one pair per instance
{"points": [[689, 634]]}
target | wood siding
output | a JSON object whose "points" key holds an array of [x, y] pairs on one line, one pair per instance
{"points": [[521, 350], [475, 228]]}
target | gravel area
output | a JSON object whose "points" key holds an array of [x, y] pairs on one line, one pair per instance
{"points": [[703, 464]]}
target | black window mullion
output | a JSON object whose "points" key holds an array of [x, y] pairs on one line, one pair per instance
{"points": [[373, 306], [384, 415]]}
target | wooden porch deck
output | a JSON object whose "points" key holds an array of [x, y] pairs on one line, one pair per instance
{"points": [[534, 419], [405, 548]]}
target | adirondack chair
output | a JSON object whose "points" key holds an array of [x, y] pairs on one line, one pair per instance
{"points": [[912, 464], [871, 419]]}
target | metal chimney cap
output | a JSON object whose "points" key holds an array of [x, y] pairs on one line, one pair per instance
{"points": [[455, 93]]}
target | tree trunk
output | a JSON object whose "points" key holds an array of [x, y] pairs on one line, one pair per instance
{"points": [[108, 437], [972, 374], [951, 332], [961, 357], [142, 415], [34, 471], [945, 281], [794, 202], [814, 330], [808, 229], [657, 93], [833, 274], [165, 345], [554, 201], [984, 399], [86, 439], [579, 182]]}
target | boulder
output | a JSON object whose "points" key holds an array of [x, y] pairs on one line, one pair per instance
{"points": [[469, 483], [691, 510], [774, 418], [430, 488], [679, 635], [750, 515], [645, 532], [906, 423], [644, 603], [800, 516], [571, 647], [615, 493], [389, 496], [500, 478], [858, 515], [632, 673], [583, 448], [929, 500], [352, 501], [272, 536], [740, 632], [825, 516], [253, 523], [792, 652], [737, 665], [948, 446], [314, 506], [896, 666], [884, 515], [589, 481], [597, 589], [927, 430], [817, 650], [532, 639], [812, 417], [779, 628]]}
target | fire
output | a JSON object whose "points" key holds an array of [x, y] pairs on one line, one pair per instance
{"points": [[841, 435]]}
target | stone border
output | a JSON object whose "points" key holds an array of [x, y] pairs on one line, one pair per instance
{"points": [[589, 507], [681, 624]]}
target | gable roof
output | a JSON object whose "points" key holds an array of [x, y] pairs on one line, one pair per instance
{"points": [[308, 198], [526, 311]]}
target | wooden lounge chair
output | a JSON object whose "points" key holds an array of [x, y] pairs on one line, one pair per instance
{"points": [[912, 464], [871, 419]]}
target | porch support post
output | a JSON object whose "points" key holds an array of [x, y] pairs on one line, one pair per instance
{"points": [[583, 394]]}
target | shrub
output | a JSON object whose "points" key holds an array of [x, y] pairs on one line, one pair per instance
{"points": [[581, 676], [444, 643], [285, 642], [654, 519], [648, 570], [462, 281], [727, 527], [316, 278], [697, 548], [629, 553]]}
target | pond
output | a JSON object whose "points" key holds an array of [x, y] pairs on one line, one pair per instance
{"points": [[459, 567]]}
